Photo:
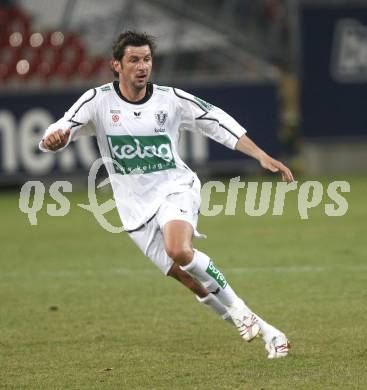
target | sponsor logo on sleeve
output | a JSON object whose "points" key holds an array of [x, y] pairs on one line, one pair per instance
{"points": [[203, 104], [165, 89]]}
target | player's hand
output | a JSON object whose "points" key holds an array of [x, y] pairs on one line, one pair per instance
{"points": [[56, 140], [276, 166]]}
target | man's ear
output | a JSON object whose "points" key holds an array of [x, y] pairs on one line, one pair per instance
{"points": [[116, 65]]}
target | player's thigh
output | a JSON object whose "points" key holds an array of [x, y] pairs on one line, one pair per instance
{"points": [[178, 234], [150, 240], [177, 218], [178, 241]]}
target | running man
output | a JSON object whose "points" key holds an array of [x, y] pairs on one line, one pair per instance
{"points": [[137, 125]]}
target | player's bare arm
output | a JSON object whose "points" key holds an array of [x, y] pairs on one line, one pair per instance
{"points": [[246, 146], [56, 140]]}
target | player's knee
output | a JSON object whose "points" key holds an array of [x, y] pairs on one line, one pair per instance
{"points": [[180, 254]]}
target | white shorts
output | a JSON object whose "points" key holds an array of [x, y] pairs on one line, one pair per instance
{"points": [[182, 206]]}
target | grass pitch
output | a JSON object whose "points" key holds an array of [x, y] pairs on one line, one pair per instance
{"points": [[81, 308]]}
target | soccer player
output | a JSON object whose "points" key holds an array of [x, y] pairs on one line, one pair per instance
{"points": [[137, 125]]}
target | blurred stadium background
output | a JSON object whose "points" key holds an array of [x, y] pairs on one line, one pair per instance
{"points": [[293, 73]]}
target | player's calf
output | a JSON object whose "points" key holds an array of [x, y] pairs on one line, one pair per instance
{"points": [[188, 281]]}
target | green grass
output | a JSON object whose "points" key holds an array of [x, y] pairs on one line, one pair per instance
{"points": [[115, 310]]}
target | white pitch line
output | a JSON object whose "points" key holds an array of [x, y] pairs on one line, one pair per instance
{"points": [[153, 271]]}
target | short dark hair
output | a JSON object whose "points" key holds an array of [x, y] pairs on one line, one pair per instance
{"points": [[130, 38]]}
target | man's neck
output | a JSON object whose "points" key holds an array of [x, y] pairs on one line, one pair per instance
{"points": [[131, 94]]}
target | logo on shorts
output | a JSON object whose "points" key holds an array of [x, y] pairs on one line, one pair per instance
{"points": [[141, 154], [216, 274]]}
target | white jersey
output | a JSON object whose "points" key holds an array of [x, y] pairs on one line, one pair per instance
{"points": [[141, 139]]}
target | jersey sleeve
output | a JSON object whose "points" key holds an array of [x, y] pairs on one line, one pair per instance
{"points": [[79, 118], [210, 120]]}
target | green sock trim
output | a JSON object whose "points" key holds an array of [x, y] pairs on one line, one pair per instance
{"points": [[214, 272]]}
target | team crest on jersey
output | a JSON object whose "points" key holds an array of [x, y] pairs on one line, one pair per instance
{"points": [[161, 117]]}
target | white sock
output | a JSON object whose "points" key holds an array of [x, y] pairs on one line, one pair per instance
{"points": [[213, 303], [203, 269], [267, 331]]}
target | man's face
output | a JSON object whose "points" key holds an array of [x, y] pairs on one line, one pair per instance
{"points": [[135, 66]]}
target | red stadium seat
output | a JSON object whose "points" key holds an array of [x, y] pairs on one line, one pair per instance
{"points": [[73, 55], [8, 60], [51, 55], [3, 27], [91, 68], [26, 54], [17, 21]]}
